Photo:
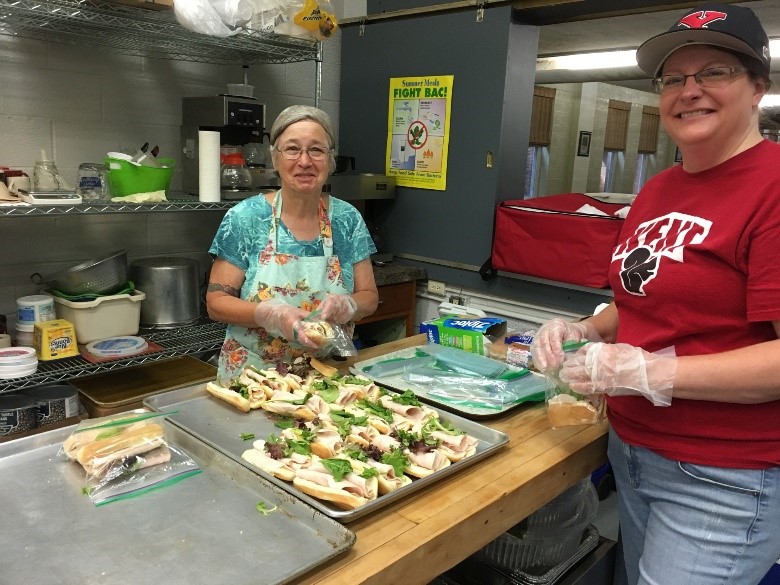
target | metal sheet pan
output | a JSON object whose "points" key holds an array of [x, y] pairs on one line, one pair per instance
{"points": [[220, 425], [397, 382], [205, 529]]}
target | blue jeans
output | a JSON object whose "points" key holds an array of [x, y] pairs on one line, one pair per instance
{"points": [[685, 524]]}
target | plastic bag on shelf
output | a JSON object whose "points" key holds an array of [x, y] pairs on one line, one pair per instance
{"points": [[218, 18], [309, 19]]}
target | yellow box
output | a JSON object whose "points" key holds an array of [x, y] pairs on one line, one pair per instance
{"points": [[55, 339]]}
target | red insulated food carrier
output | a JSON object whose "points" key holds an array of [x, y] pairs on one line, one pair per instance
{"points": [[548, 238]]}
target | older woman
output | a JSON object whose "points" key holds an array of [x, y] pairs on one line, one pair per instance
{"points": [[280, 256], [695, 321]]}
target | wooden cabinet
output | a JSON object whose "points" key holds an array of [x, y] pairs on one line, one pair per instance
{"points": [[395, 300]]}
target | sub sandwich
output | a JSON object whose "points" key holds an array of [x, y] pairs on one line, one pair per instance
{"points": [[566, 410]]}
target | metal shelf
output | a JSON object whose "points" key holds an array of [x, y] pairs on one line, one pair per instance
{"points": [[178, 203], [145, 33], [193, 339]]}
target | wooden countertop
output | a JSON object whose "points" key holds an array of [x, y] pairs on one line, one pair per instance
{"points": [[417, 538]]}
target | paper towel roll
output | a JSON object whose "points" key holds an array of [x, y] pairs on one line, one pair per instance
{"points": [[208, 166]]}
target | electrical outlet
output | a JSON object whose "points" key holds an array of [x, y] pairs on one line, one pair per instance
{"points": [[436, 287]]}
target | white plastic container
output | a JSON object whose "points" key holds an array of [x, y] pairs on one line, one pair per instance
{"points": [[34, 309], [107, 316], [24, 335]]}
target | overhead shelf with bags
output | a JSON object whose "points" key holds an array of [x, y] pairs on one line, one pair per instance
{"points": [[127, 29]]}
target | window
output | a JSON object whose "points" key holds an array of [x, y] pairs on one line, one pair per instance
{"points": [[539, 139], [648, 131], [615, 138], [640, 177], [617, 125], [537, 161], [610, 169]]}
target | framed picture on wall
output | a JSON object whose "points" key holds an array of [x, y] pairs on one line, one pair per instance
{"points": [[583, 146]]}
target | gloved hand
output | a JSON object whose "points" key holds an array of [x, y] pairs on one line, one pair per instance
{"points": [[619, 369], [282, 320], [338, 309], [547, 346]]}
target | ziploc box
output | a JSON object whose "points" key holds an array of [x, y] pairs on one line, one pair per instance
{"points": [[474, 335]]}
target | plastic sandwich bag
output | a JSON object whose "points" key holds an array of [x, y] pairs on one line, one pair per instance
{"points": [[340, 342], [126, 455], [463, 378], [449, 385], [566, 407], [132, 477]]}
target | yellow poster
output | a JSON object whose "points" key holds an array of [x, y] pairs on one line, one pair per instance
{"points": [[418, 131]]}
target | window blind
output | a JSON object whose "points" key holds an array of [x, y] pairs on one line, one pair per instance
{"points": [[541, 116], [617, 125], [648, 132]]}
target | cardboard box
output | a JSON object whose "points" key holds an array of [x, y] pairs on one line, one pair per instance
{"points": [[55, 339], [469, 334]]}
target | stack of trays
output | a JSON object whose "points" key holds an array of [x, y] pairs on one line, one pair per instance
{"points": [[552, 537]]}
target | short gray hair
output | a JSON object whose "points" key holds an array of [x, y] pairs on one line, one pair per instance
{"points": [[293, 114]]}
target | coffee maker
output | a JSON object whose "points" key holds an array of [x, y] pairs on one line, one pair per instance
{"points": [[239, 120]]}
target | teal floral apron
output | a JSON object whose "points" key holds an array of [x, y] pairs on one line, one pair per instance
{"points": [[298, 280]]}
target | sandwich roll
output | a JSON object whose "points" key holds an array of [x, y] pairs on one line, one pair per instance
{"points": [[74, 443], [320, 332], [456, 447], [565, 410], [228, 396], [349, 493], [325, 370], [98, 455], [266, 463], [424, 464]]}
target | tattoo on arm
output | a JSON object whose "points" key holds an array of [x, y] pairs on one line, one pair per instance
{"points": [[225, 288]]}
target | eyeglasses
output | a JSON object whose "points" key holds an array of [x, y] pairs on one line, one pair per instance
{"points": [[712, 77], [292, 152]]}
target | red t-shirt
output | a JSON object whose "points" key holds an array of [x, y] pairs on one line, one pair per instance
{"points": [[697, 268]]}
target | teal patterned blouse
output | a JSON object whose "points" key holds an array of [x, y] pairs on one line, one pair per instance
{"points": [[243, 234]]}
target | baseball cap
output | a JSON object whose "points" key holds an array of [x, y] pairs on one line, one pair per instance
{"points": [[722, 25]]}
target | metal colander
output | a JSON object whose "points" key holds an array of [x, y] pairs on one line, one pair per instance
{"points": [[101, 276]]}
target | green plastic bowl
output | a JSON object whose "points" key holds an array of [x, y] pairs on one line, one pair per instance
{"points": [[125, 178]]}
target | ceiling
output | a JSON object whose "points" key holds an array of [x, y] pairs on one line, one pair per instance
{"points": [[601, 25]]}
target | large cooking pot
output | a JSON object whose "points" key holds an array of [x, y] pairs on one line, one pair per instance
{"points": [[172, 287]]}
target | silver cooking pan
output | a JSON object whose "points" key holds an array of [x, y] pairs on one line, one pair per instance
{"points": [[172, 287]]}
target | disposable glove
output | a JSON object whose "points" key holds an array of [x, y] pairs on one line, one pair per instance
{"points": [[547, 346], [282, 320], [338, 309], [619, 369]]}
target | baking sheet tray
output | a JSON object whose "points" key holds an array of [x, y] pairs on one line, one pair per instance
{"points": [[220, 425], [397, 382], [204, 529]]}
